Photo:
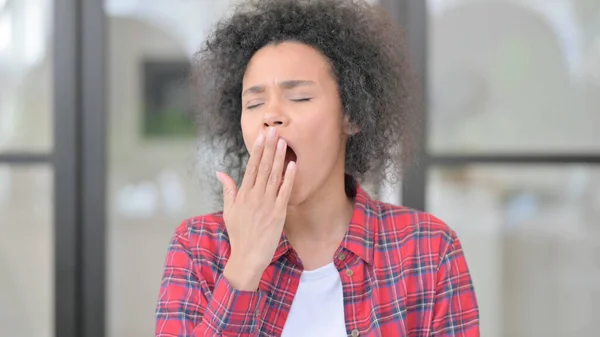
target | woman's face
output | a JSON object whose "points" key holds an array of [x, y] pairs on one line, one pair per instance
{"points": [[290, 86]]}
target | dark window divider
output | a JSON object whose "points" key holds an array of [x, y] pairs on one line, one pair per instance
{"points": [[80, 168], [520, 159], [24, 158], [414, 20], [67, 149], [94, 172]]}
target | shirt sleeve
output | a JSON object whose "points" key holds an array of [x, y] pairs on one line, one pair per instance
{"points": [[456, 312], [187, 307]]}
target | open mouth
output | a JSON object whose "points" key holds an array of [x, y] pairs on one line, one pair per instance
{"points": [[290, 155]]}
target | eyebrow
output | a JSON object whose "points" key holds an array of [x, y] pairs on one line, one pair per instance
{"points": [[291, 84]]}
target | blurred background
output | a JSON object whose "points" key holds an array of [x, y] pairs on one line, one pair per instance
{"points": [[98, 157]]}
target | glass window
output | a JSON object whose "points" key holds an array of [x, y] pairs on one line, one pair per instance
{"points": [[26, 251], [26, 76], [153, 179], [531, 236], [514, 76]]}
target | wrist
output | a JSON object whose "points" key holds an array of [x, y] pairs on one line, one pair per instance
{"points": [[243, 276]]}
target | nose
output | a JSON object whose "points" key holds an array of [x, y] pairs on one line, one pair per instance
{"points": [[274, 117]]}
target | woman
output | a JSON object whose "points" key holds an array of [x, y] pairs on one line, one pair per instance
{"points": [[311, 97]]}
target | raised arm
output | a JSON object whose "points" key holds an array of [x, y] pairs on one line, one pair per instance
{"points": [[187, 306], [254, 217]]}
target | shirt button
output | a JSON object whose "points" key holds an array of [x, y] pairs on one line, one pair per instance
{"points": [[257, 313], [341, 256], [349, 272], [355, 333]]}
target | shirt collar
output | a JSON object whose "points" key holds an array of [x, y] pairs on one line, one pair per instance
{"points": [[359, 237]]}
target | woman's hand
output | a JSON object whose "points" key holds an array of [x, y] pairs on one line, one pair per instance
{"points": [[254, 216]]}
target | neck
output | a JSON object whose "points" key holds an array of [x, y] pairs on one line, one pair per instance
{"points": [[323, 217]]}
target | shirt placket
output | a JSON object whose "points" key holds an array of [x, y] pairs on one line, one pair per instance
{"points": [[350, 266]]}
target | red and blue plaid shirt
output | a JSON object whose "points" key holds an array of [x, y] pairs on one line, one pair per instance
{"points": [[403, 274]]}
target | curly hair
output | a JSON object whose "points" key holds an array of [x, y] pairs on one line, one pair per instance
{"points": [[367, 56]]}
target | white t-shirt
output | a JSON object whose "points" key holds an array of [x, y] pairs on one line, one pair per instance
{"points": [[318, 306]]}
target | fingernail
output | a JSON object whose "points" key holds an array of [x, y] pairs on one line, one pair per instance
{"points": [[280, 144], [218, 174], [272, 132], [291, 166], [261, 139]]}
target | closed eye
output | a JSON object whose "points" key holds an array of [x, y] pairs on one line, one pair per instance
{"points": [[249, 107], [302, 100]]}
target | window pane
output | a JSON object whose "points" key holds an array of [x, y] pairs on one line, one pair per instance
{"points": [[153, 184], [26, 252], [26, 76], [507, 76], [531, 235]]}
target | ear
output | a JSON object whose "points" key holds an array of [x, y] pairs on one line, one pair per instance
{"points": [[350, 128]]}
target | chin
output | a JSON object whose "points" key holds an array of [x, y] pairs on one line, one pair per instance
{"points": [[301, 191], [298, 196]]}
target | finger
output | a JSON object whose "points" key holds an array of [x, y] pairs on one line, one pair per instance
{"points": [[253, 162], [266, 162], [229, 190], [286, 188], [275, 177]]}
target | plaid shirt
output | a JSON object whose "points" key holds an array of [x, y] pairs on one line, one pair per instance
{"points": [[403, 274]]}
